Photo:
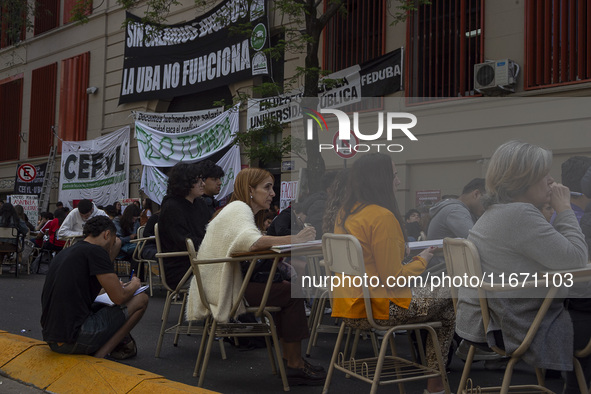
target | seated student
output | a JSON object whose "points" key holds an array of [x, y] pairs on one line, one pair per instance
{"points": [[512, 236], [53, 242], [9, 218], [183, 215], [412, 224], [370, 213], [41, 228], [20, 212], [237, 228], [72, 225], [127, 225], [72, 322]]}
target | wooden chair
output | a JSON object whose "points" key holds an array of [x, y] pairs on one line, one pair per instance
{"points": [[343, 255], [172, 298], [213, 328], [11, 233], [462, 259]]}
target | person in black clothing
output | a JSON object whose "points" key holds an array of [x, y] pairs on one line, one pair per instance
{"points": [[212, 174], [72, 322], [183, 215]]}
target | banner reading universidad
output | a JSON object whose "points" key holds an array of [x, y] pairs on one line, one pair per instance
{"points": [[96, 169], [159, 149], [223, 46]]}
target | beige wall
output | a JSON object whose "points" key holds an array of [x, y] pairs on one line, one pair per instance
{"points": [[455, 137]]}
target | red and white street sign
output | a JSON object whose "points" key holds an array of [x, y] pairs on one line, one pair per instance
{"points": [[345, 148], [26, 172]]}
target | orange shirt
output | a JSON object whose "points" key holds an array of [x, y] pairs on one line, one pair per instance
{"points": [[383, 245]]}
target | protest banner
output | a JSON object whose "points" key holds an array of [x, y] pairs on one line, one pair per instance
{"points": [[177, 122], [97, 169], [154, 182], [30, 204], [161, 149], [289, 193], [224, 46]]}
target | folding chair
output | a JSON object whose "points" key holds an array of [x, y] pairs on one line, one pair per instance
{"points": [[586, 351], [213, 328], [11, 233], [462, 260], [343, 255], [145, 264], [172, 298]]}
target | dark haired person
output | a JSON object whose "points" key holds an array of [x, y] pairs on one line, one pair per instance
{"points": [[127, 225], [212, 174], [412, 224], [370, 213], [72, 322], [72, 225], [53, 242], [9, 218], [182, 217], [147, 211]]}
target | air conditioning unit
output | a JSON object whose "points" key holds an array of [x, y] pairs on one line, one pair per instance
{"points": [[498, 75]]}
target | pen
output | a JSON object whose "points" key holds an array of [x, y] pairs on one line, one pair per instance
{"points": [[576, 194], [131, 276]]}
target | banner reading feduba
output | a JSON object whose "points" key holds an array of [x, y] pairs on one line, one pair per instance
{"points": [[154, 182], [375, 78], [159, 149], [96, 169], [223, 46]]}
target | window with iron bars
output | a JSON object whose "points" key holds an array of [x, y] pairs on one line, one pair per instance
{"points": [[558, 42], [444, 42]]}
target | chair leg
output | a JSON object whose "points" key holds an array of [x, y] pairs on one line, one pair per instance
{"points": [[540, 375], [374, 343], [180, 320], [333, 360], [580, 376], [355, 342], [222, 348], [440, 360], [165, 311], [466, 370], [206, 327], [210, 340], [508, 374], [276, 343], [319, 314], [394, 354], [380, 363], [347, 342], [315, 318], [270, 354]]}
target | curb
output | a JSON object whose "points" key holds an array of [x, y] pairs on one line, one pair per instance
{"points": [[31, 361]]}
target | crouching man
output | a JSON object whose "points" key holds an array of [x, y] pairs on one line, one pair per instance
{"points": [[72, 322]]}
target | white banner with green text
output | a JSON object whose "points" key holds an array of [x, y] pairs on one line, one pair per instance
{"points": [[161, 149], [97, 170], [154, 182]]}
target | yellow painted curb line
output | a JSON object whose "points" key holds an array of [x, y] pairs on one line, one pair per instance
{"points": [[31, 361]]}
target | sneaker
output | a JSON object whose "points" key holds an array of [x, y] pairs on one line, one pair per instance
{"points": [[304, 377], [126, 349], [312, 367], [479, 354]]}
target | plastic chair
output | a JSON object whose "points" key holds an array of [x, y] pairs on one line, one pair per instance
{"points": [[343, 255], [212, 329], [11, 233], [462, 258], [172, 296]]}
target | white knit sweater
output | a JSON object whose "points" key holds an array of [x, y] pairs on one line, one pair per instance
{"points": [[233, 230]]}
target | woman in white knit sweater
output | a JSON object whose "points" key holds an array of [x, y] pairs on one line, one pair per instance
{"points": [[237, 228]]}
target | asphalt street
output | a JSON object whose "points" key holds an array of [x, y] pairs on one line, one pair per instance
{"points": [[242, 372]]}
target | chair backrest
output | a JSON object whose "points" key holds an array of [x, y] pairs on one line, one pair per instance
{"points": [[137, 256], [140, 232], [463, 261], [9, 232], [343, 256], [160, 259]]}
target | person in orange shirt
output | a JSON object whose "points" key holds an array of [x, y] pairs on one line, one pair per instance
{"points": [[370, 213]]}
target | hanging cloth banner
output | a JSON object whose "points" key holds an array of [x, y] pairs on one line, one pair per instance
{"points": [[224, 46], [375, 78], [177, 122], [154, 182], [96, 170], [159, 149]]}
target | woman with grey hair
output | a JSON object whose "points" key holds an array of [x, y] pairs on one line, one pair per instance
{"points": [[512, 236]]}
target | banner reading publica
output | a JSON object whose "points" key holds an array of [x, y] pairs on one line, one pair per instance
{"points": [[159, 149], [96, 169]]}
